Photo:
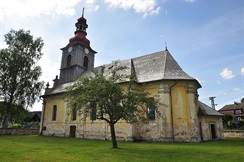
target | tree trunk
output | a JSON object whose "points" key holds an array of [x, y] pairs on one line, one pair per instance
{"points": [[114, 141], [5, 116], [5, 122]]}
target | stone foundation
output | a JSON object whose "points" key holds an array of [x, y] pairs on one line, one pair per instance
{"points": [[234, 133], [18, 131]]}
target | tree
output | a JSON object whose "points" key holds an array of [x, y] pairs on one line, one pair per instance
{"points": [[18, 113], [113, 103], [242, 100], [19, 74]]}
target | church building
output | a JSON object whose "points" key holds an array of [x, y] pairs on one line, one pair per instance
{"points": [[182, 116]]}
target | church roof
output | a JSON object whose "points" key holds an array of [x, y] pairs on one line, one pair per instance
{"points": [[206, 110], [158, 66], [148, 68], [154, 67]]}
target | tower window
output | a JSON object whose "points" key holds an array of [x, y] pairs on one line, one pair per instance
{"points": [[85, 63], [54, 113], [68, 60]]}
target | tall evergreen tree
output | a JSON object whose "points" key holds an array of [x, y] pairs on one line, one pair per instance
{"points": [[19, 74]]}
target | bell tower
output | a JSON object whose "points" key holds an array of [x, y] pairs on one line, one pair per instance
{"points": [[77, 56]]}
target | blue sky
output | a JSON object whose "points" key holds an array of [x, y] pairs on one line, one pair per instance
{"points": [[206, 37]]}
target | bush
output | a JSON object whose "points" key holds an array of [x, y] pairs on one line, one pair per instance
{"points": [[15, 125]]}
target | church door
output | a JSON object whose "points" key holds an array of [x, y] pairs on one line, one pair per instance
{"points": [[72, 131], [213, 131]]}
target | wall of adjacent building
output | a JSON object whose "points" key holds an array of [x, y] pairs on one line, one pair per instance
{"points": [[205, 123]]}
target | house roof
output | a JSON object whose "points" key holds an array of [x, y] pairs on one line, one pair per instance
{"points": [[232, 106], [148, 68], [38, 113], [206, 110]]}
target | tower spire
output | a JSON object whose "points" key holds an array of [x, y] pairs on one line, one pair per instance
{"points": [[83, 12], [80, 32]]}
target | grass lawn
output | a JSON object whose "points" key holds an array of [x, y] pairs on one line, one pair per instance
{"points": [[40, 148]]}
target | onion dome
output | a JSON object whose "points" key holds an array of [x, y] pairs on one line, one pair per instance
{"points": [[80, 33]]}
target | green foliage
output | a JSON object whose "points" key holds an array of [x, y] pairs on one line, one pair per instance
{"points": [[231, 122], [27, 117], [227, 117], [17, 113], [113, 103], [15, 125], [242, 100], [41, 148], [19, 73]]}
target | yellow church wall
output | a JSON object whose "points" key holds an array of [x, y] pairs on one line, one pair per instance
{"points": [[99, 129], [54, 127], [84, 129], [152, 129], [184, 112], [165, 110], [185, 126], [193, 111]]}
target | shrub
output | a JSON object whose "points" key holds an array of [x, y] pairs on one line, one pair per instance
{"points": [[15, 125]]}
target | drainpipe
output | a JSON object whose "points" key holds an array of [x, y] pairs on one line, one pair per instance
{"points": [[171, 112], [42, 119]]}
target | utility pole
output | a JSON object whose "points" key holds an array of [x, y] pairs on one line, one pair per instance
{"points": [[212, 102]]}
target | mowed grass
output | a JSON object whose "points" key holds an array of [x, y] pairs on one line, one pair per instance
{"points": [[41, 148]]}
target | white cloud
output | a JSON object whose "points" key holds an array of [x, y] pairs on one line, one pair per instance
{"points": [[242, 71], [33, 8], [90, 1], [236, 90], [146, 7], [92, 5], [227, 74]]}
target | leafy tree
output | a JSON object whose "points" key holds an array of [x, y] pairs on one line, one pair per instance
{"points": [[113, 103], [19, 73], [227, 117], [242, 100]]}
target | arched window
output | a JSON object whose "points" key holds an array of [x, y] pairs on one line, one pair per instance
{"points": [[68, 60], [74, 112], [151, 110], [54, 115], [85, 63]]}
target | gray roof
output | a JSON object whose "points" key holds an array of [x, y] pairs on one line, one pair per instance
{"points": [[57, 89], [148, 68], [158, 66], [206, 110]]}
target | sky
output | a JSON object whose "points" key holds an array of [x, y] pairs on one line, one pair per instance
{"points": [[206, 37]]}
